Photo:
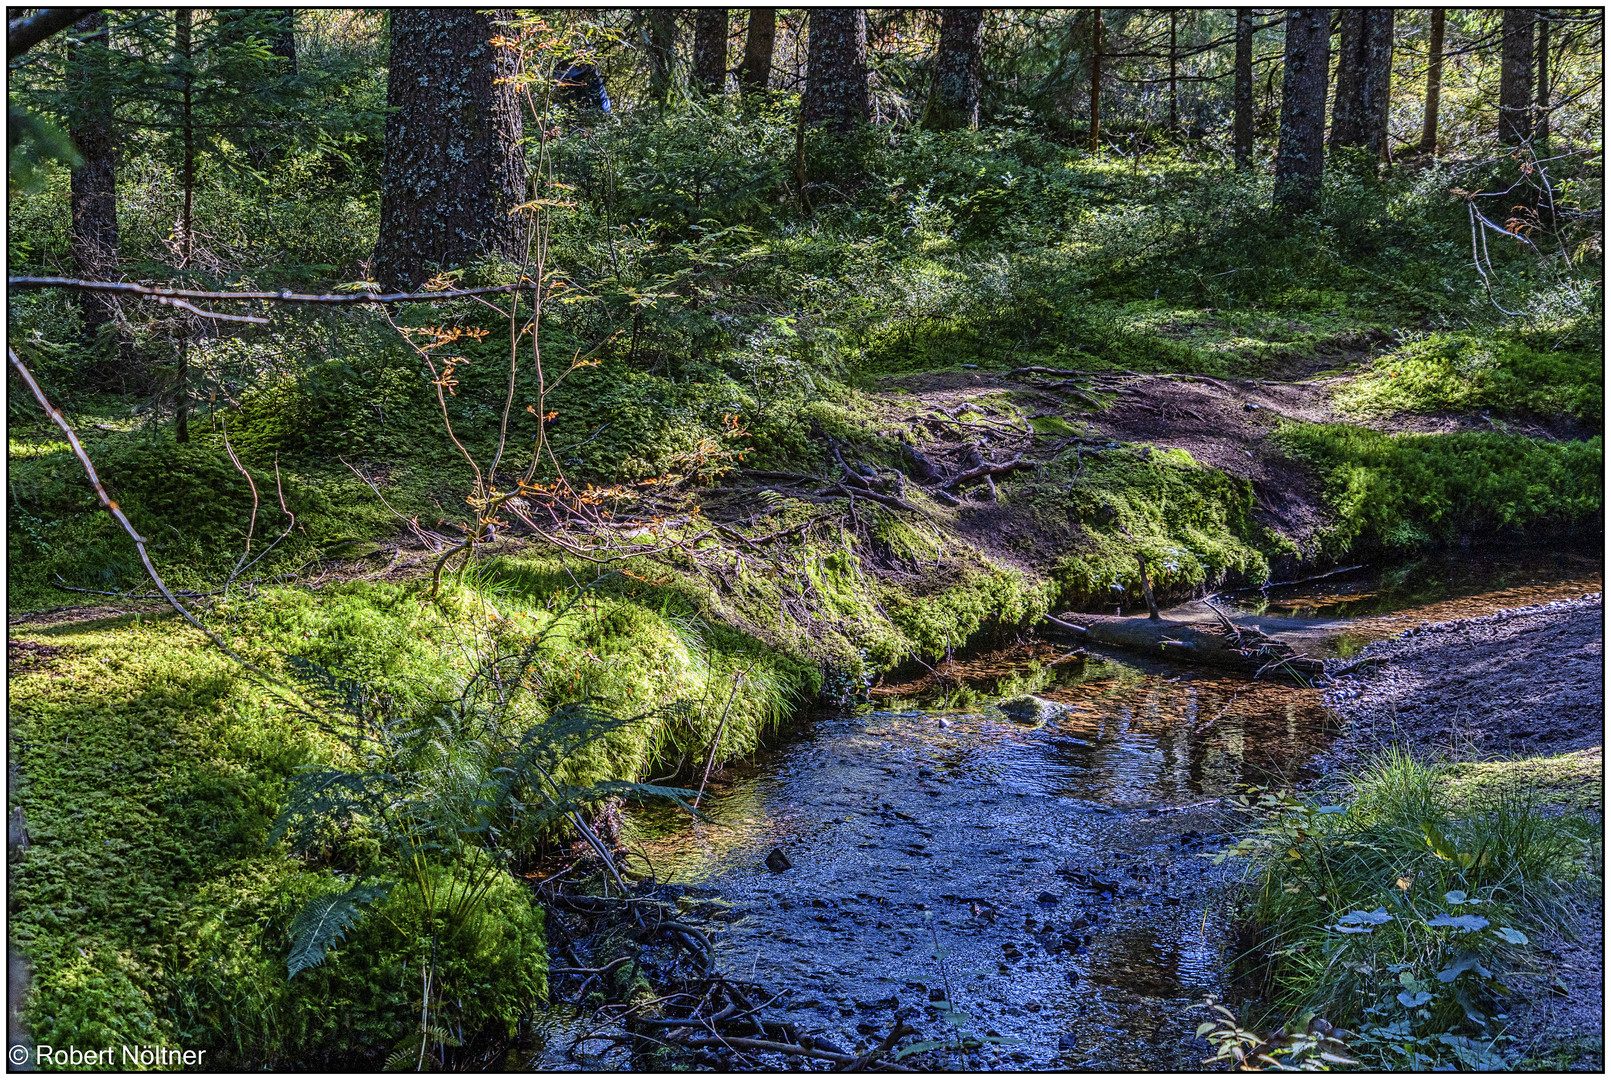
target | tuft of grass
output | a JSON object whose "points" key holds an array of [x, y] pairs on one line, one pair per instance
{"points": [[1397, 913]]}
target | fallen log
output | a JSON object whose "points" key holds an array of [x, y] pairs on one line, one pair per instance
{"points": [[1244, 648]]}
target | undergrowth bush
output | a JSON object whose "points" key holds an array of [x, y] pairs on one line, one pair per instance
{"points": [[1505, 373]]}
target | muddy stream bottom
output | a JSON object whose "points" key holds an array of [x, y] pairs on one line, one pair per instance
{"points": [[1058, 869]]}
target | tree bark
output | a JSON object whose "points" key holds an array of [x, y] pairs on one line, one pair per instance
{"points": [[1364, 80], [836, 69], [1541, 102], [958, 60], [187, 243], [1347, 126], [756, 71], [1247, 649], [92, 239], [710, 49], [453, 169], [1434, 83], [1300, 154], [1174, 97], [1242, 133], [1377, 88], [1516, 76], [661, 43], [1096, 81]]}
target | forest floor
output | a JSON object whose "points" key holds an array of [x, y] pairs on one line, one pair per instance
{"points": [[1515, 698]]}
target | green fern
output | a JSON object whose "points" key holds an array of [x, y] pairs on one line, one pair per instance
{"points": [[405, 1056], [323, 921]]}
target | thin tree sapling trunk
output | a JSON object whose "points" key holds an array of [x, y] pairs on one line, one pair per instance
{"points": [[1096, 80], [1434, 83]]}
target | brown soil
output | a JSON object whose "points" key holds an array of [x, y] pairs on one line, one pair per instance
{"points": [[1226, 424], [30, 655]]}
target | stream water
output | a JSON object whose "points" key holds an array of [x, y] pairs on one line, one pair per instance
{"points": [[1056, 869]]}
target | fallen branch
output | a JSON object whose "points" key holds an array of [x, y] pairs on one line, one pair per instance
{"points": [[878, 497], [734, 1042], [1071, 627], [158, 292], [988, 469]]}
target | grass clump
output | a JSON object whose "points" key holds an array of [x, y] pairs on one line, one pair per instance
{"points": [[1508, 373], [1396, 914], [1406, 490]]}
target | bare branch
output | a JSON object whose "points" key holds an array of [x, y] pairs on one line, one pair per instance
{"points": [[157, 292], [118, 515]]}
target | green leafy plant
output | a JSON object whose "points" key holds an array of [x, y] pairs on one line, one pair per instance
{"points": [[1396, 913]]}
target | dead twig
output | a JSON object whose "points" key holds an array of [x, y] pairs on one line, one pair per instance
{"points": [[118, 515]]}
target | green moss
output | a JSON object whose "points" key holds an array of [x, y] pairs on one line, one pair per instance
{"points": [[1506, 373], [1402, 491], [1193, 524], [978, 595], [1574, 780]]}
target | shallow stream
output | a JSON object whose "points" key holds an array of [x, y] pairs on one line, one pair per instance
{"points": [[1058, 868]]}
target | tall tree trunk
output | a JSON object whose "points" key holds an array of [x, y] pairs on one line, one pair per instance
{"points": [[92, 239], [1347, 126], [187, 231], [660, 30], [836, 69], [1174, 96], [1541, 102], [1300, 154], [958, 61], [453, 169], [1242, 133], [1516, 76], [1364, 80], [1434, 84], [1096, 81], [187, 85], [1377, 87], [758, 41], [710, 49]]}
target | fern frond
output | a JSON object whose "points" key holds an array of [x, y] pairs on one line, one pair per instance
{"points": [[323, 921]]}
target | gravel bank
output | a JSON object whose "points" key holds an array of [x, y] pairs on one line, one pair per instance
{"points": [[1521, 682]]}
